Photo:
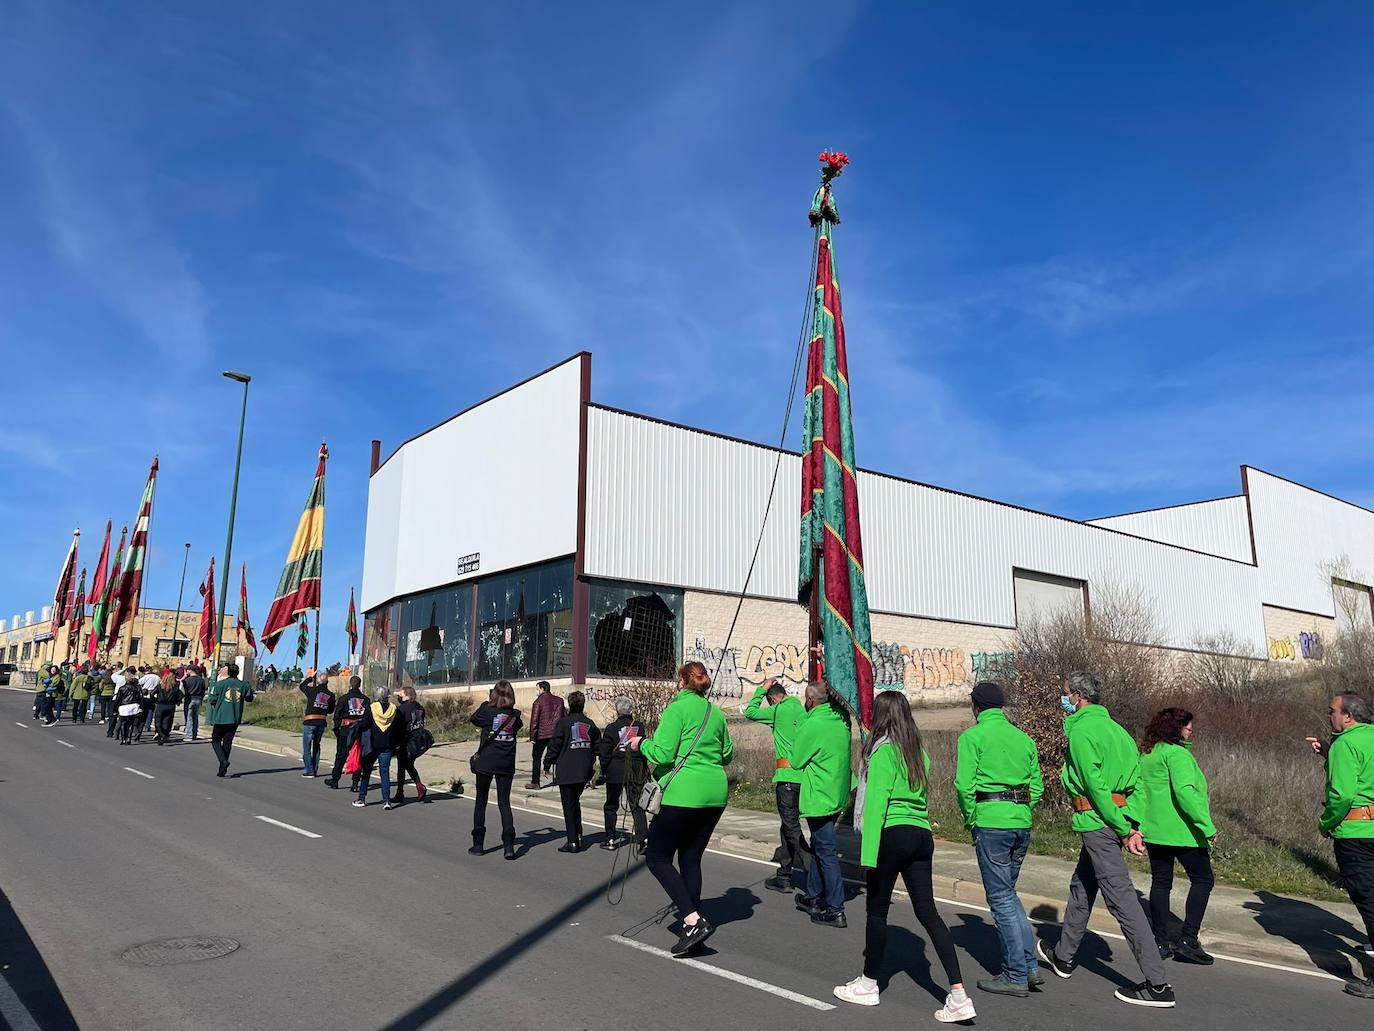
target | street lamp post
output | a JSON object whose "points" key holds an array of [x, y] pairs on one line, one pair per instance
{"points": [[176, 623], [238, 377]]}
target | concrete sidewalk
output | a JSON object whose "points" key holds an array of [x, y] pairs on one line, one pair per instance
{"points": [[1310, 935]]}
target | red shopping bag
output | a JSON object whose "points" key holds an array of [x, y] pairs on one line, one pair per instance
{"points": [[355, 759]]}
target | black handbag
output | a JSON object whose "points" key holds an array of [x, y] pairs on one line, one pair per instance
{"points": [[419, 742]]}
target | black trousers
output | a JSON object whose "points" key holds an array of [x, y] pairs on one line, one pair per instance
{"points": [[79, 710], [343, 741], [479, 811], [1355, 860], [571, 797], [1197, 864], [127, 727], [540, 747], [165, 715], [405, 764], [641, 822], [222, 741], [790, 855], [906, 852], [110, 715], [684, 833], [106, 704]]}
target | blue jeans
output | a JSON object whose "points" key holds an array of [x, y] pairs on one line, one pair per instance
{"points": [[61, 705], [823, 880], [1000, 855], [382, 759], [190, 712], [310, 747]]}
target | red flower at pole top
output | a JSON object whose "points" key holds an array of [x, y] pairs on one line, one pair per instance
{"points": [[834, 162]]}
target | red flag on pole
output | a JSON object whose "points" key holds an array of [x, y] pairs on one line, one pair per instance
{"points": [[66, 587], [243, 626], [131, 576], [351, 625], [103, 599], [209, 623], [76, 619], [299, 588]]}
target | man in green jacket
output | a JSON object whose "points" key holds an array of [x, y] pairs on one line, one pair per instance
{"points": [[821, 755], [1101, 769], [1348, 817], [225, 712], [80, 693], [998, 782], [784, 714]]}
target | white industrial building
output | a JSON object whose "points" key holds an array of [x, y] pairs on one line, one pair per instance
{"points": [[538, 534]]}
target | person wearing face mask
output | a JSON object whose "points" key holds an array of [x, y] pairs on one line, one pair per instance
{"points": [[1101, 772], [1176, 823], [1348, 816]]}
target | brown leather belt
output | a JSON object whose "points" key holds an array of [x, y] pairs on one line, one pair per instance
{"points": [[783, 764], [1082, 804], [1360, 812]]}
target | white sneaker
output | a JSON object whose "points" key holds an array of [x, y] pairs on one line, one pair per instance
{"points": [[861, 991], [952, 1012]]}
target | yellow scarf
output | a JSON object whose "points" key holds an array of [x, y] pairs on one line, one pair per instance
{"points": [[382, 717]]}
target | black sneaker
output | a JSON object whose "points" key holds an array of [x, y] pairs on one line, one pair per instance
{"points": [[778, 882], [829, 918], [1190, 950], [1046, 954], [1159, 997], [1360, 989], [1166, 949], [807, 905], [693, 936]]}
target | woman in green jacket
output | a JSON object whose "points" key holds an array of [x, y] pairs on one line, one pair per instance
{"points": [[892, 813], [1170, 804], [693, 797]]}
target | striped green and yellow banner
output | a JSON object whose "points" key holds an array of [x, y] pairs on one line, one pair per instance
{"points": [[299, 588]]}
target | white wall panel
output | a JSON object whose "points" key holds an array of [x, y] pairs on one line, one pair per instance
{"points": [[499, 479], [1219, 527], [675, 506], [1296, 530]]}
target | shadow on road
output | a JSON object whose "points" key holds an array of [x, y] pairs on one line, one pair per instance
{"points": [[1328, 940], [28, 976], [456, 990]]}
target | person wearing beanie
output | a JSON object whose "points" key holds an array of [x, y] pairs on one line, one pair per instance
{"points": [[998, 783]]}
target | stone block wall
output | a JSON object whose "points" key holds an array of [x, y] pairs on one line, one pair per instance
{"points": [[1296, 637]]}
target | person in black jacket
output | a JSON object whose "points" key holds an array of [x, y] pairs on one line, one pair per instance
{"points": [[128, 706], [413, 719], [319, 706], [380, 733], [494, 760], [623, 770], [572, 756], [348, 716], [192, 694], [165, 701]]}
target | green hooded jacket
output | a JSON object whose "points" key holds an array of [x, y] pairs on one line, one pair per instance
{"points": [[785, 718], [994, 755], [1101, 758], [821, 755], [79, 689], [1170, 802], [107, 688], [701, 783], [1349, 781], [889, 799], [225, 702]]}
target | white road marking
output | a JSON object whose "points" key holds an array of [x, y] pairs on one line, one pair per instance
{"points": [[16, 1014], [18, 724], [958, 903], [264, 751], [286, 826], [68, 744], [729, 975], [140, 773]]}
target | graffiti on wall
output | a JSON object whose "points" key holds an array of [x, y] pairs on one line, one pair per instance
{"points": [[895, 667], [1281, 649], [1311, 646]]}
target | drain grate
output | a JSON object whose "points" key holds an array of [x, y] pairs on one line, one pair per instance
{"points": [[170, 951]]}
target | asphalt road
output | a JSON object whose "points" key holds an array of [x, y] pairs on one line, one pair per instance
{"points": [[384, 921]]}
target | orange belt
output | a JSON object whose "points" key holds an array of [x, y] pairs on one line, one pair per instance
{"points": [[1361, 812], [1084, 805], [783, 764]]}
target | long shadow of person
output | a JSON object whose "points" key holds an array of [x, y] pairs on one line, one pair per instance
{"points": [[1094, 953], [906, 954], [1329, 940], [736, 904], [533, 839], [979, 939]]}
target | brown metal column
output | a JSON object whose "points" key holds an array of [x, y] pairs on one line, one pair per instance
{"points": [[581, 589]]}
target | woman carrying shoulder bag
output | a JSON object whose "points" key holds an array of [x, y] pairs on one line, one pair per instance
{"points": [[688, 752]]}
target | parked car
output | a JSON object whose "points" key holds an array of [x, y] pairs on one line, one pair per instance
{"points": [[6, 668]]}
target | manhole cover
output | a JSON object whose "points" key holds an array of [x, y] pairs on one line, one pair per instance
{"points": [[171, 951]]}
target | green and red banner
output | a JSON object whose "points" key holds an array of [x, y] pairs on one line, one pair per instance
{"points": [[351, 625], [76, 618], [303, 639], [243, 625], [298, 591], [130, 586], [831, 544], [105, 597]]}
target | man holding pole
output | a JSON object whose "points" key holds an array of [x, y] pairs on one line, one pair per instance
{"points": [[821, 756], [784, 715]]}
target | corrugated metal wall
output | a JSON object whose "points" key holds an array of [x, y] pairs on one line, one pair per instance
{"points": [[669, 505], [1296, 530], [1219, 527]]}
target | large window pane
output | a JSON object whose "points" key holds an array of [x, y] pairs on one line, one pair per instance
{"points": [[634, 630], [435, 630], [524, 624], [380, 635]]}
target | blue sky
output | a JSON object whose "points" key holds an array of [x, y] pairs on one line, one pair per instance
{"points": [[1093, 258]]}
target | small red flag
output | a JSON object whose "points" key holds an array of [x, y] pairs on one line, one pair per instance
{"points": [[209, 623]]}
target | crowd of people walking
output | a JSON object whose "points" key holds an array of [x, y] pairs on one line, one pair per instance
{"points": [[1146, 798]]}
